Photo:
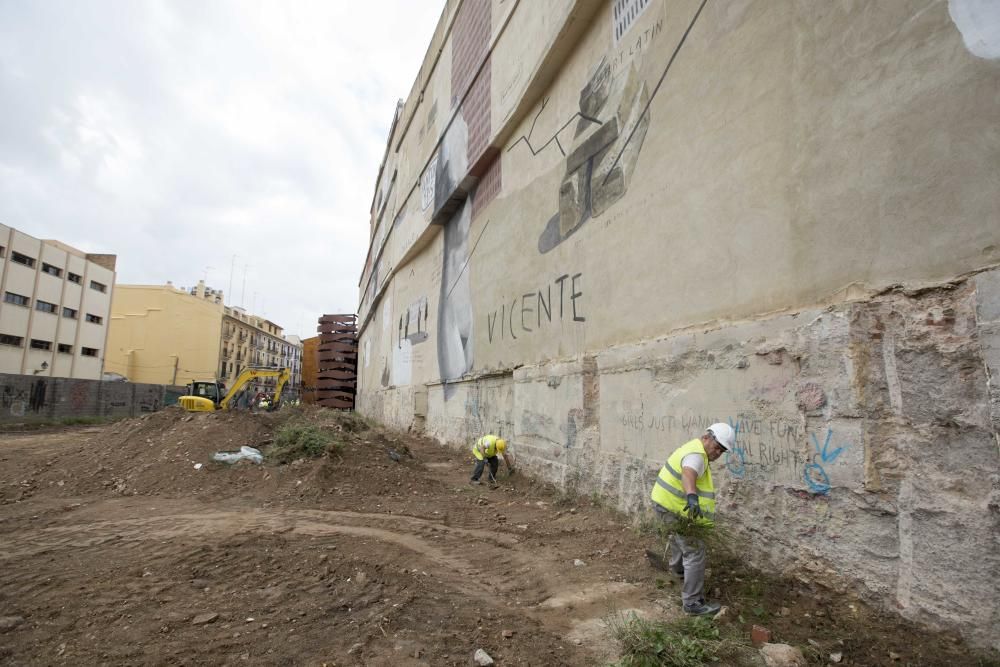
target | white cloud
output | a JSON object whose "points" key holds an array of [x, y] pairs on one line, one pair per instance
{"points": [[177, 135]]}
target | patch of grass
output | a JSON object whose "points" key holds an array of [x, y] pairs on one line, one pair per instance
{"points": [[303, 441], [686, 642]]}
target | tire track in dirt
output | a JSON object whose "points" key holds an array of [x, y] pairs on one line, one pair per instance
{"points": [[227, 523], [449, 552]]}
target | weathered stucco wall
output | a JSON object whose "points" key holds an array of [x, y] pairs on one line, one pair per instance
{"points": [[596, 236]]}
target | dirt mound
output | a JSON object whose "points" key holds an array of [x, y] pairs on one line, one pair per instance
{"points": [[170, 453]]}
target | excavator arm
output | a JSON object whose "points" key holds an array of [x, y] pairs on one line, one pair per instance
{"points": [[248, 374]]}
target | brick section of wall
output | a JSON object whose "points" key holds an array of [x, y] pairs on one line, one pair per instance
{"points": [[476, 111], [469, 42], [489, 186], [28, 398]]}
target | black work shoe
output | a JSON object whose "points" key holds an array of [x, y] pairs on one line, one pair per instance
{"points": [[702, 608]]}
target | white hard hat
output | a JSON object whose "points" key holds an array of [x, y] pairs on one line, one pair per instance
{"points": [[723, 434]]}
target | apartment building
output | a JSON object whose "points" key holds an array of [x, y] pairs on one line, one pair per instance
{"points": [[55, 307], [249, 340], [162, 334], [294, 360]]}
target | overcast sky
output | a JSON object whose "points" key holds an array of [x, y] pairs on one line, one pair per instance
{"points": [[177, 134]]}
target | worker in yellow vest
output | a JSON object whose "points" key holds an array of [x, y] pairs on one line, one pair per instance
{"points": [[684, 487], [485, 450]]}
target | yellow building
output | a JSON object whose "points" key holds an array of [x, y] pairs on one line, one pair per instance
{"points": [[160, 334]]}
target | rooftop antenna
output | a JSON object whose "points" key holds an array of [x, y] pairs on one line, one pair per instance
{"points": [[232, 265], [243, 292]]}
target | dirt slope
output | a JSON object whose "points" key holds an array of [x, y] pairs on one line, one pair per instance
{"points": [[116, 549]]}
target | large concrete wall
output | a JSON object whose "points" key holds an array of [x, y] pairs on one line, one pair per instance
{"points": [[28, 398], [596, 237]]}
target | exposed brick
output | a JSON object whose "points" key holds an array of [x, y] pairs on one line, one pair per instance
{"points": [[489, 186]]}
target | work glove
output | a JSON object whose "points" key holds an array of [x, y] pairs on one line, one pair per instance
{"points": [[693, 509]]}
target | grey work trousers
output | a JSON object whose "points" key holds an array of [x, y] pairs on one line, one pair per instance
{"points": [[687, 556]]}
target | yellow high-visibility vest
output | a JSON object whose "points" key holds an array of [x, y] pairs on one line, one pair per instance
{"points": [[668, 492], [485, 447]]}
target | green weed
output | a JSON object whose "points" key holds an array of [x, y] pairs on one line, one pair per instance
{"points": [[687, 642], [303, 441]]}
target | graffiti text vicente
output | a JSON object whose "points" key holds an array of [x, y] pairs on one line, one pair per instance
{"points": [[531, 311]]}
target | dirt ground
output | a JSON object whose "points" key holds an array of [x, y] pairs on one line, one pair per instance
{"points": [[116, 549]]}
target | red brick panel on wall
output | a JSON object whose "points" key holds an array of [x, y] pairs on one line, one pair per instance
{"points": [[470, 83], [470, 39], [489, 186], [476, 111]]}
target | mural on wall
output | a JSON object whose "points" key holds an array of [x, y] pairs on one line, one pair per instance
{"points": [[451, 163], [454, 337], [412, 331], [598, 169], [413, 323], [611, 126]]}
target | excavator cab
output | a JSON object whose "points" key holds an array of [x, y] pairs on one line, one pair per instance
{"points": [[202, 396]]}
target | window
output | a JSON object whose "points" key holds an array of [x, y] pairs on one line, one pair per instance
{"points": [[40, 344], [624, 13], [65, 349], [69, 312], [16, 341], [2, 249], [51, 270], [100, 287], [22, 259], [88, 351], [73, 277], [94, 318], [16, 299], [45, 306]]}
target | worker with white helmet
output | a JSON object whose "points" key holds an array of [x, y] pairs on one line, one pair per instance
{"points": [[684, 487], [485, 450]]}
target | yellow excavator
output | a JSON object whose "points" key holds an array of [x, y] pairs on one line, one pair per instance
{"points": [[210, 395]]}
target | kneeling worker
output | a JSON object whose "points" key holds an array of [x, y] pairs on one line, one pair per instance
{"points": [[485, 450], [685, 486]]}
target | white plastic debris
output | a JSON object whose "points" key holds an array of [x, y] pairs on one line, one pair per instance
{"points": [[249, 453], [197, 466]]}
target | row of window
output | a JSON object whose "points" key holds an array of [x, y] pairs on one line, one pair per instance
{"points": [[18, 341], [21, 258], [46, 307]]}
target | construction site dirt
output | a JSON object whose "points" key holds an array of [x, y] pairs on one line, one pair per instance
{"points": [[126, 544]]}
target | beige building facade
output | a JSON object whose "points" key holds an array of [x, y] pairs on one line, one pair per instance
{"points": [[601, 226], [55, 308], [161, 334]]}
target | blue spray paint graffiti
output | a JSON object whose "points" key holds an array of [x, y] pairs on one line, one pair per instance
{"points": [[736, 460], [814, 475]]}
